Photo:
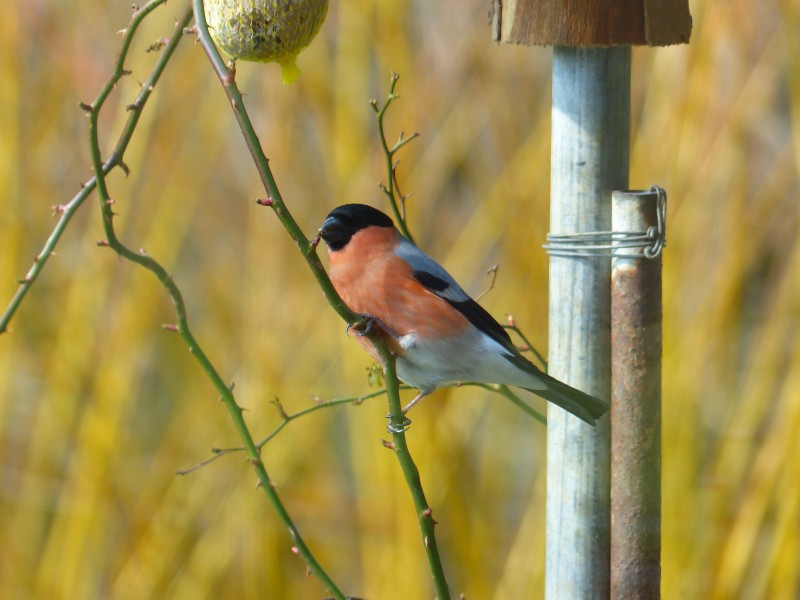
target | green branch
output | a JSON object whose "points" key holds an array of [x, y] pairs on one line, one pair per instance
{"points": [[398, 423], [116, 157], [141, 258], [308, 248]]}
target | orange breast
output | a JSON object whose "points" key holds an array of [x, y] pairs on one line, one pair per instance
{"points": [[371, 279]]}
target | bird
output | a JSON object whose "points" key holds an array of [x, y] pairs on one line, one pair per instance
{"points": [[439, 335]]}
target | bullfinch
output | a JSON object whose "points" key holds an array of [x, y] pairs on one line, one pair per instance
{"points": [[439, 334]]}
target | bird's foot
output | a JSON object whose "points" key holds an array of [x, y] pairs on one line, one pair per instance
{"points": [[401, 427], [364, 327]]}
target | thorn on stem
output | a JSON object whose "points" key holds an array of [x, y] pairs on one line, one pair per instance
{"points": [[103, 243], [230, 76], [124, 167], [276, 402], [172, 327], [387, 444], [264, 201], [157, 45], [87, 108], [58, 209]]}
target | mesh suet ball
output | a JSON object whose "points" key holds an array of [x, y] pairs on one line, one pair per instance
{"points": [[266, 30]]}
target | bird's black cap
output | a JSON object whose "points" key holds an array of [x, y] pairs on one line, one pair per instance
{"points": [[345, 221]]}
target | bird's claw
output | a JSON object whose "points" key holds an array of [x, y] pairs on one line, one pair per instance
{"points": [[362, 328], [402, 427], [365, 326]]}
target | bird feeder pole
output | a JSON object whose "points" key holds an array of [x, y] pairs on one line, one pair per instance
{"points": [[589, 160]]}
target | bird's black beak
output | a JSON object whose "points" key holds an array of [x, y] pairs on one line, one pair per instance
{"points": [[334, 233]]}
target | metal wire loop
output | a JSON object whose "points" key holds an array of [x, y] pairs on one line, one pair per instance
{"points": [[610, 244]]}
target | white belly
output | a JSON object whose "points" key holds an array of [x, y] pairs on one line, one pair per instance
{"points": [[471, 358]]}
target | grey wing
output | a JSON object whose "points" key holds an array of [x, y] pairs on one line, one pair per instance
{"points": [[430, 273], [433, 276]]}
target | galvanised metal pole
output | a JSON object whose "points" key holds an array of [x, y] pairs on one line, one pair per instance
{"points": [[590, 158]]}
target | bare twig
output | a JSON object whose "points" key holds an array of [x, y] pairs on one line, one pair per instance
{"points": [[391, 189], [492, 272], [506, 392], [512, 326], [286, 418]]}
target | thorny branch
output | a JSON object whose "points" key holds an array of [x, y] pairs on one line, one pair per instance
{"points": [[65, 212]]}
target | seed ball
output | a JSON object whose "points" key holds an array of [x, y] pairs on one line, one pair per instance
{"points": [[266, 30]]}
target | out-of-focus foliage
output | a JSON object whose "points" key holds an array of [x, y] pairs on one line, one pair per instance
{"points": [[99, 406]]}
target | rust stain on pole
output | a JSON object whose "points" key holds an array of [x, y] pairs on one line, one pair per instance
{"points": [[635, 409]]}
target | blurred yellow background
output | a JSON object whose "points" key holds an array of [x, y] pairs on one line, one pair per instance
{"points": [[99, 406]]}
